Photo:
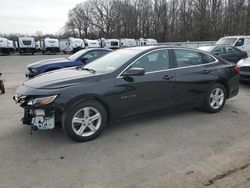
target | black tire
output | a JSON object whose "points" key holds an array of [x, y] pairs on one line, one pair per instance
{"points": [[2, 88], [207, 102], [73, 110]]}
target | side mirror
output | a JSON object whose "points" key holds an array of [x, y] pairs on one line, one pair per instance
{"points": [[216, 53], [134, 72]]}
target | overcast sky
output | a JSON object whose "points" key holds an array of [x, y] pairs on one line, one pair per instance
{"points": [[29, 16]]}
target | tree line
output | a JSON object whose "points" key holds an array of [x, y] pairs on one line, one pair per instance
{"points": [[164, 20]]}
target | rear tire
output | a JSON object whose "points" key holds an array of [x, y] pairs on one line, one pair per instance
{"points": [[215, 99], [84, 121], [2, 88]]}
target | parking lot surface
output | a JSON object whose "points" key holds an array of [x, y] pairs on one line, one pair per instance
{"points": [[188, 148]]}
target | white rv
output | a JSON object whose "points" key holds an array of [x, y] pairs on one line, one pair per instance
{"points": [[146, 42], [125, 42], [110, 43], [4, 49], [11, 46], [240, 42], [151, 42], [91, 43], [71, 45], [50, 45], [26, 45]]}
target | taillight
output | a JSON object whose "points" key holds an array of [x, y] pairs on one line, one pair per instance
{"points": [[237, 69]]}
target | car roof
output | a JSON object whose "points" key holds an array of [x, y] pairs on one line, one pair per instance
{"points": [[94, 49]]}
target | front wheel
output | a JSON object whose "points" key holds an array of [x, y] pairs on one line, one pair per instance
{"points": [[215, 99], [84, 121]]}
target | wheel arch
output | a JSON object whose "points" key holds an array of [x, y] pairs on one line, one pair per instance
{"points": [[83, 98], [224, 83]]}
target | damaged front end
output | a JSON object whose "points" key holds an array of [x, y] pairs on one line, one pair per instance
{"points": [[39, 111]]}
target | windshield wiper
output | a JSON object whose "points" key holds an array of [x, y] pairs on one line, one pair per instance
{"points": [[88, 69]]}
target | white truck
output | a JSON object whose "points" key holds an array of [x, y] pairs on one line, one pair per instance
{"points": [[126, 42], [71, 45], [241, 42], [50, 45], [26, 45], [91, 43], [4, 49], [110, 43]]}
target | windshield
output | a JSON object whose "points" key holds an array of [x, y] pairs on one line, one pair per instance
{"points": [[112, 61], [226, 41], [77, 55], [207, 48]]}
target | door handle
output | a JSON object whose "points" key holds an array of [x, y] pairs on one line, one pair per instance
{"points": [[205, 71], [167, 77]]}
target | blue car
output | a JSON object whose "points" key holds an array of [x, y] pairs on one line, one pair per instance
{"points": [[81, 57]]}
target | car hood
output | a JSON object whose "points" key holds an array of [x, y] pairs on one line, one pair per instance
{"points": [[48, 61], [61, 78], [244, 62]]}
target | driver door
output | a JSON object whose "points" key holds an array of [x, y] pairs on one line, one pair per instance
{"points": [[148, 92]]}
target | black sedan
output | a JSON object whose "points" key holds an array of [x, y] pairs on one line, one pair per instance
{"points": [[244, 65], [124, 83], [228, 53], [79, 58]]}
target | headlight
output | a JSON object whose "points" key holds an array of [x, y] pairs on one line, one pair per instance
{"points": [[33, 70], [42, 100]]}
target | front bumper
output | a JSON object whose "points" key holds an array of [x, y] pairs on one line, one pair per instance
{"points": [[245, 76], [39, 117]]}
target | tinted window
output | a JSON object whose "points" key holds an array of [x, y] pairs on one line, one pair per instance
{"points": [[229, 49], [154, 61], [207, 58], [26, 42], [186, 58], [218, 51]]}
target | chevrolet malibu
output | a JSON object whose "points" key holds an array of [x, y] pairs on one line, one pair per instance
{"points": [[123, 83]]}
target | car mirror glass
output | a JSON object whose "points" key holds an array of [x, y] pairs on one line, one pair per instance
{"points": [[134, 72]]}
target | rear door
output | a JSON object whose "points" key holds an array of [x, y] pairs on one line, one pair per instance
{"points": [[152, 91], [193, 76]]}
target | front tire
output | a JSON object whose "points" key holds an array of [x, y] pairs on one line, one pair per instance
{"points": [[215, 99], [84, 121]]}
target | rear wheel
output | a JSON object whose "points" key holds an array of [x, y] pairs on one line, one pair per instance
{"points": [[215, 99], [2, 88], [84, 121]]}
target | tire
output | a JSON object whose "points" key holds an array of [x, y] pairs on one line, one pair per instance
{"points": [[215, 99], [2, 88], [83, 127]]}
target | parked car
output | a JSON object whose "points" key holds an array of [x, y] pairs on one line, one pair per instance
{"points": [[241, 42], [81, 57], [244, 65], [228, 53], [126, 82]]}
